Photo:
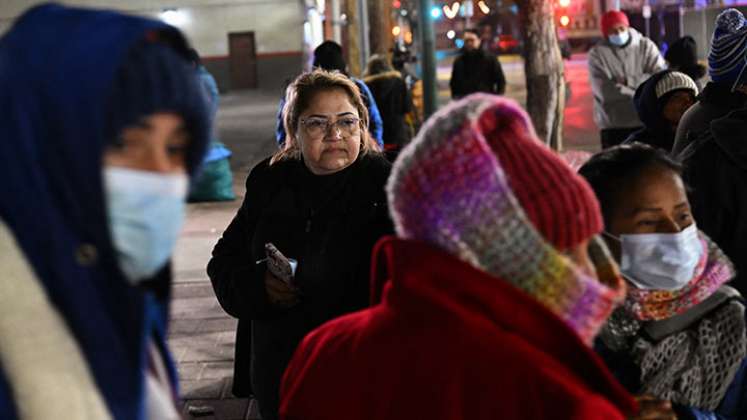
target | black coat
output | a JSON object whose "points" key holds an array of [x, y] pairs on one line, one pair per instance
{"points": [[476, 71], [329, 224], [716, 172], [714, 102], [393, 99]]}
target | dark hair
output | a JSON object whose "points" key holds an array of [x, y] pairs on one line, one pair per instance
{"points": [[612, 169], [328, 56], [471, 31], [194, 57], [378, 63]]}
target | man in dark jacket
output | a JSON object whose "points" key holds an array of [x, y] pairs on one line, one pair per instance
{"points": [[475, 71], [660, 101], [716, 171], [727, 90]]}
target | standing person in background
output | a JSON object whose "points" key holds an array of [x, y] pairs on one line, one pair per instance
{"points": [[320, 202], [328, 56], [488, 299], [474, 70], [618, 64], [215, 180], [727, 90], [660, 101], [682, 56], [103, 125], [393, 99]]}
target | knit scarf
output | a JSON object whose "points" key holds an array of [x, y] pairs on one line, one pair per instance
{"points": [[479, 220], [713, 270]]}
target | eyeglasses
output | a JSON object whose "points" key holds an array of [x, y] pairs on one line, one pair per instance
{"points": [[317, 127]]}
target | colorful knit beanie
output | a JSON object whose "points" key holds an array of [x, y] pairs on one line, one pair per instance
{"points": [[477, 183], [612, 18], [728, 55]]}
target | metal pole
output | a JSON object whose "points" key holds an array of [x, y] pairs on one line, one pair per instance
{"points": [[430, 90], [365, 43], [336, 22]]}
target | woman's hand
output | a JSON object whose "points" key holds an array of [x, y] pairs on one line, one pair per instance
{"points": [[653, 409], [280, 293]]}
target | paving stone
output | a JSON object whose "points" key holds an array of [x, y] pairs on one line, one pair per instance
{"points": [[217, 370], [190, 371], [205, 389], [221, 324]]}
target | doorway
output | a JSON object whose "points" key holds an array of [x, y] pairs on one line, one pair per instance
{"points": [[242, 60]]}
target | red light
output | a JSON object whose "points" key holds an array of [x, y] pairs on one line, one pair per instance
{"points": [[396, 4], [564, 21]]}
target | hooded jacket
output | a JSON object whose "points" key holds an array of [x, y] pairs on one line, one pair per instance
{"points": [[393, 100], [55, 78], [716, 171], [716, 100], [634, 63], [445, 327], [657, 131]]}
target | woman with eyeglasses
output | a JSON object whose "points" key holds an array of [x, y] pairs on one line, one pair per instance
{"points": [[680, 335], [297, 253]]}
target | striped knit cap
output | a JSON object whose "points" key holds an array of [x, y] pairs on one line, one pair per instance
{"points": [[477, 183], [728, 55], [675, 80]]}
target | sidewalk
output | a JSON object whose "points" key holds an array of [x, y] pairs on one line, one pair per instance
{"points": [[201, 334]]}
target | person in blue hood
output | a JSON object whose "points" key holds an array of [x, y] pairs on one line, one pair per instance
{"points": [[102, 126], [660, 102]]}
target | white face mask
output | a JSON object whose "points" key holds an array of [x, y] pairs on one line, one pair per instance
{"points": [[146, 211], [620, 39], [660, 261]]}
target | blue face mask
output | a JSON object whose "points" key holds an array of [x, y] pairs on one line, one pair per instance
{"points": [[620, 39], [146, 212]]}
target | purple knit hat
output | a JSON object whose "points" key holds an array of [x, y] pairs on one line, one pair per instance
{"points": [[477, 183]]}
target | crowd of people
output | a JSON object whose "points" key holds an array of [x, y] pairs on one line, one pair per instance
{"points": [[466, 272]]}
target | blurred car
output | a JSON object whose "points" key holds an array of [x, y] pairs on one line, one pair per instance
{"points": [[507, 44]]}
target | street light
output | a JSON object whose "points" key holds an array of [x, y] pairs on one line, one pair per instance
{"points": [[564, 3]]}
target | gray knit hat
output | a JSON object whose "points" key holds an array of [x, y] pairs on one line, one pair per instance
{"points": [[675, 80]]}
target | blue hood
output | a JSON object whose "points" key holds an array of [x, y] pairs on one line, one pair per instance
{"points": [[57, 66]]}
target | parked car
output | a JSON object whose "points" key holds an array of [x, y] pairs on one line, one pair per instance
{"points": [[507, 44]]}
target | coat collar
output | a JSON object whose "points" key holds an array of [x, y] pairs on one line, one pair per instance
{"points": [[418, 277]]}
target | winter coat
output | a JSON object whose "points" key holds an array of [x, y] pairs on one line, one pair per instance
{"points": [[633, 63], [447, 341], [716, 172], [329, 224], [393, 100], [656, 130], [476, 71], [714, 102], [210, 88], [375, 123]]}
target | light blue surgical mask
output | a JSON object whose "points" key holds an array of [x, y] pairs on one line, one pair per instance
{"points": [[620, 39], [146, 212], [660, 261]]}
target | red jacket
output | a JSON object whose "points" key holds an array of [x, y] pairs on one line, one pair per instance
{"points": [[447, 342]]}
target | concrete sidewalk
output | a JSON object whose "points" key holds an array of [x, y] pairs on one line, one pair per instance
{"points": [[202, 335]]}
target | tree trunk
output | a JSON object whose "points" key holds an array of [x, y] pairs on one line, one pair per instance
{"points": [[353, 52], [379, 24], [543, 66]]}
